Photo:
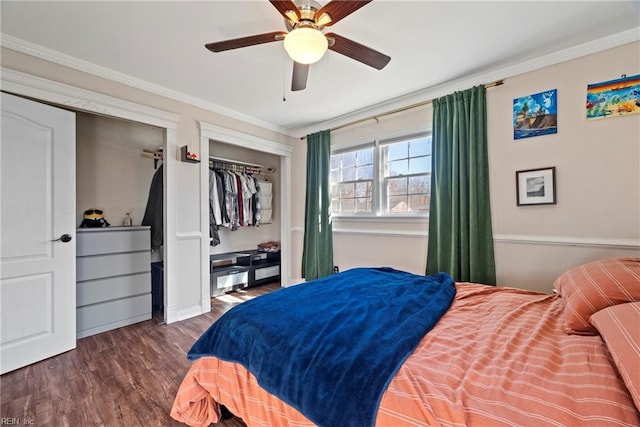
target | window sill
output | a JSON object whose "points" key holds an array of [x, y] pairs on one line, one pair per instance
{"points": [[413, 218]]}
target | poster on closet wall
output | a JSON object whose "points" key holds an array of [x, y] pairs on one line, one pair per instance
{"points": [[535, 115], [619, 97]]}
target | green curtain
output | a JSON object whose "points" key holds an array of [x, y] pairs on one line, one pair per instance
{"points": [[317, 252], [460, 232]]}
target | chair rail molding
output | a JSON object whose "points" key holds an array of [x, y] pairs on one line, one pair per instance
{"points": [[567, 241]]}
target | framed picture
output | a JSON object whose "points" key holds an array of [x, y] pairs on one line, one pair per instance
{"points": [[536, 186], [535, 115]]}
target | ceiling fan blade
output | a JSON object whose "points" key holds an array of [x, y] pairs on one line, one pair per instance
{"points": [[244, 41], [299, 79], [359, 52], [339, 9], [285, 6]]}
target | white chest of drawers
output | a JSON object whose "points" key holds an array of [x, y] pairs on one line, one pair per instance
{"points": [[113, 278]]}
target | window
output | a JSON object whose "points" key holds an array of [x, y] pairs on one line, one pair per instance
{"points": [[352, 181], [384, 178]]}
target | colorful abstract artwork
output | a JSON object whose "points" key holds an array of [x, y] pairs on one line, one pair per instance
{"points": [[617, 97], [535, 115]]}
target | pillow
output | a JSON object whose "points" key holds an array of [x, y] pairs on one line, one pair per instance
{"points": [[591, 287], [619, 327]]}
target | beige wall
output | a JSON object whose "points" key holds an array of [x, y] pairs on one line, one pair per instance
{"points": [[598, 182], [597, 171], [111, 173]]}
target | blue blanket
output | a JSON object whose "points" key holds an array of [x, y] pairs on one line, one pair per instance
{"points": [[330, 347]]}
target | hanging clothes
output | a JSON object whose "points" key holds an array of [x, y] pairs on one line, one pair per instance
{"points": [[153, 214], [237, 201], [224, 215], [214, 210], [265, 202], [256, 203]]}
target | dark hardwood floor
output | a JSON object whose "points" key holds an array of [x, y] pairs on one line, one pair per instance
{"points": [[125, 377]]}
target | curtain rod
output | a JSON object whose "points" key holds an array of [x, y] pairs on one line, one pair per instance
{"points": [[399, 110]]}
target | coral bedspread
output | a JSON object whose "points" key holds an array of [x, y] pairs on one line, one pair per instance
{"points": [[499, 356]]}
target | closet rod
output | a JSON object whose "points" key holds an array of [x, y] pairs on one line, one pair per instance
{"points": [[235, 162], [399, 110]]}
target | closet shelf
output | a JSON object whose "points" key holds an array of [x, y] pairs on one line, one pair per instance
{"points": [[185, 158]]}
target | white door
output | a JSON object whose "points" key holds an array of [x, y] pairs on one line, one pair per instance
{"points": [[37, 196]]}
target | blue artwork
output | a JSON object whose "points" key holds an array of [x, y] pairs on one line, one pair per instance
{"points": [[535, 115], [617, 97]]}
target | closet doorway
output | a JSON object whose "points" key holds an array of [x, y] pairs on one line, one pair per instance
{"points": [[219, 142], [265, 168], [95, 104]]}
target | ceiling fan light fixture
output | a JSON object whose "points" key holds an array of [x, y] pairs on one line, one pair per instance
{"points": [[305, 45]]}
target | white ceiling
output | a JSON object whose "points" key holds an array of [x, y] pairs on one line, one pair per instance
{"points": [[159, 46]]}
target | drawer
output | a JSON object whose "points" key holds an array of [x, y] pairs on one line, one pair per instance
{"points": [[101, 266], [235, 277], [250, 259], [266, 272], [100, 290], [105, 241], [92, 319]]}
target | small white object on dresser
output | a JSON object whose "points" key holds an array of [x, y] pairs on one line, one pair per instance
{"points": [[113, 278]]}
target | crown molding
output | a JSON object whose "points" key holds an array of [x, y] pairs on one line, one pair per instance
{"points": [[423, 95], [50, 55], [584, 49], [233, 137], [81, 99]]}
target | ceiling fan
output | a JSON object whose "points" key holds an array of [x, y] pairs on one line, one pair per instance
{"points": [[305, 40]]}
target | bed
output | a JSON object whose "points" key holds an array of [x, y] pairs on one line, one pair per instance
{"points": [[496, 356]]}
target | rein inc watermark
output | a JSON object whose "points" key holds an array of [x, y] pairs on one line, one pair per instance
{"points": [[14, 421]]}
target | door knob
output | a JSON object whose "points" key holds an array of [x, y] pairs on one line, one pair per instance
{"points": [[64, 238]]}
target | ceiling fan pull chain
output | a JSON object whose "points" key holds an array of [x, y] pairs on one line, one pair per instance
{"points": [[284, 77]]}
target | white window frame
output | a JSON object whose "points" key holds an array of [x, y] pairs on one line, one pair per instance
{"points": [[378, 201], [373, 180]]}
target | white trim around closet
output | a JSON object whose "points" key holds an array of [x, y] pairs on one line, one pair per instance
{"points": [[85, 100], [228, 136]]}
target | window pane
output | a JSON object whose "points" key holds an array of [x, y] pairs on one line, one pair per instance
{"points": [[348, 159], [363, 204], [365, 157], [335, 205], [363, 189], [399, 150], [397, 186], [399, 167], [335, 162], [420, 147], [335, 175], [419, 184], [397, 204], [347, 206], [365, 172], [335, 191], [346, 190], [420, 165], [419, 203], [349, 174]]}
